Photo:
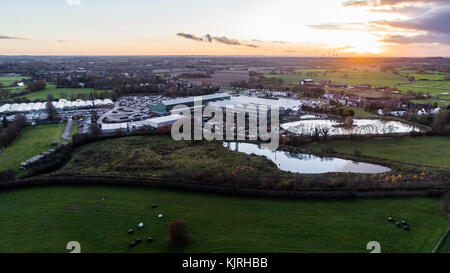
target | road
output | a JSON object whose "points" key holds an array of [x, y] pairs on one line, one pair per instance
{"points": [[66, 135]]}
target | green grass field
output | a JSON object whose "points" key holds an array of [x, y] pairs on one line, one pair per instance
{"points": [[427, 87], [9, 80], [427, 75], [348, 76], [30, 142], [433, 151], [46, 219], [432, 101], [56, 92]]}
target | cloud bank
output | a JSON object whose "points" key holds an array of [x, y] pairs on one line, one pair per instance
{"points": [[219, 39]]}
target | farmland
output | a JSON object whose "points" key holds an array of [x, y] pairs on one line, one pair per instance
{"points": [[223, 77], [433, 151], [432, 101], [348, 76], [9, 80], [56, 93], [46, 219], [425, 75], [30, 142], [427, 87]]}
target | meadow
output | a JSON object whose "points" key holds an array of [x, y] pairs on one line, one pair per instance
{"points": [[45, 219], [9, 80], [432, 101], [426, 87], [30, 142], [348, 76], [426, 75], [433, 151], [56, 93]]}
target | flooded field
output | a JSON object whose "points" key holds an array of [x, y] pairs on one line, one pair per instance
{"points": [[360, 127], [306, 163]]}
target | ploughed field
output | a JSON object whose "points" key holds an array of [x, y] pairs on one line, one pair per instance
{"points": [[45, 219]]}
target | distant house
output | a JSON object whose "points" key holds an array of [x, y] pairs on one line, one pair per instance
{"points": [[421, 112], [436, 111], [307, 82]]}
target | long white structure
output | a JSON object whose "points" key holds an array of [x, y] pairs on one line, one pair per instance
{"points": [[163, 121], [60, 105], [114, 127]]}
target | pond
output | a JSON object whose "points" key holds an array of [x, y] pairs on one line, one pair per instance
{"points": [[306, 163], [360, 127]]}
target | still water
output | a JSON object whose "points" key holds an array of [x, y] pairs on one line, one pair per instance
{"points": [[361, 127], [306, 163]]}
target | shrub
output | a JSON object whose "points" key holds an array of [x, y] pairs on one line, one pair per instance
{"points": [[178, 232], [357, 153]]}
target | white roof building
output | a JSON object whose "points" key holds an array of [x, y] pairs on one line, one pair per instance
{"points": [[114, 127], [164, 121]]}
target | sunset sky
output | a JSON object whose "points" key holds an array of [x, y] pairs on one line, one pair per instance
{"points": [[226, 27]]}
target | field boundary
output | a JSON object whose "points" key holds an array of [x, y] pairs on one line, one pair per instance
{"points": [[439, 244], [169, 184]]}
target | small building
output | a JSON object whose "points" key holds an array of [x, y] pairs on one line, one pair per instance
{"points": [[307, 82], [114, 127]]}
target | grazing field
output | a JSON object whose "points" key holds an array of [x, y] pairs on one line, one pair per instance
{"points": [[432, 101], [9, 80], [154, 156], [30, 142], [426, 75], [45, 219], [433, 151], [348, 76], [56, 93], [427, 87]]}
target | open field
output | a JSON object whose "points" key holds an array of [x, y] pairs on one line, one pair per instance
{"points": [[56, 93], [433, 151], [427, 87], [46, 219], [432, 101], [426, 75], [348, 76], [30, 142], [9, 80], [223, 78], [154, 156]]}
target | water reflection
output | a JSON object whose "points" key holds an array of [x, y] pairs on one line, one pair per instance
{"points": [[306, 163], [361, 127]]}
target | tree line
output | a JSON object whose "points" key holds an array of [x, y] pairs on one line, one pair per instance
{"points": [[9, 133]]}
